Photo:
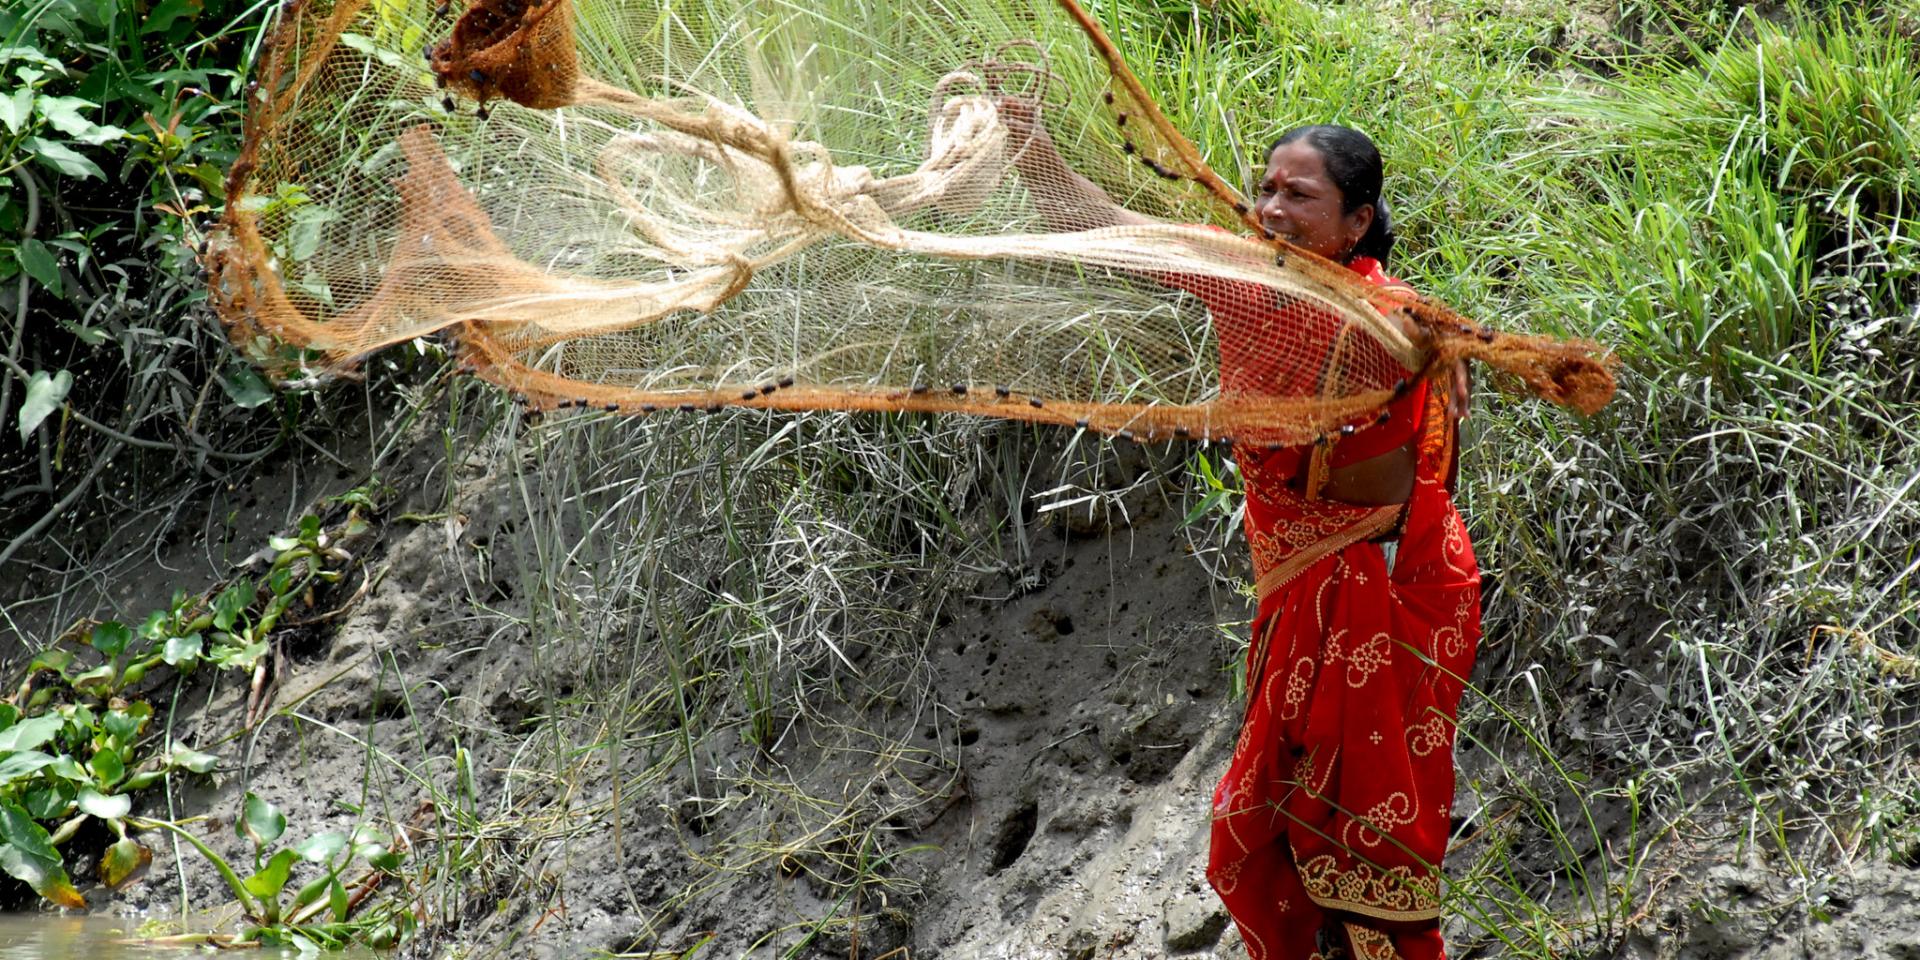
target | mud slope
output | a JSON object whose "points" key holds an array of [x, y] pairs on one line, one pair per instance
{"points": [[1075, 716]]}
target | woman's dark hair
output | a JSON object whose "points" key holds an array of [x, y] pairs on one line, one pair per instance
{"points": [[1353, 162]]}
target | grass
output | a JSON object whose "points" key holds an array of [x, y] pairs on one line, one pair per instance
{"points": [[759, 596], [1699, 608]]}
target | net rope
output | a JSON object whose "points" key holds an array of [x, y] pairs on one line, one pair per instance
{"points": [[697, 206]]}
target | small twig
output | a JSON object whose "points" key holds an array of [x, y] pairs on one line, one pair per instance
{"points": [[367, 887], [40, 525], [368, 580]]}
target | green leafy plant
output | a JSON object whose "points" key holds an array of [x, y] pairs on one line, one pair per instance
{"points": [[319, 910], [117, 122], [73, 733], [75, 762]]}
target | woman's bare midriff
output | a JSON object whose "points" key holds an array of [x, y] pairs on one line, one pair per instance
{"points": [[1374, 482]]}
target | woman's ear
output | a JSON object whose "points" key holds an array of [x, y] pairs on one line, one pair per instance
{"points": [[1358, 223]]}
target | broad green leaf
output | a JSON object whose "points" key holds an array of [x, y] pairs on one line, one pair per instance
{"points": [[211, 178], [309, 226], [101, 805], [62, 158], [38, 260], [123, 861], [387, 860], [108, 766], [95, 681], [231, 601], [56, 660], [260, 821], [67, 768], [123, 725], [382, 52], [13, 766], [8, 714], [337, 901], [30, 734], [29, 55], [142, 780], [44, 395], [244, 387], [164, 13], [20, 831], [15, 108], [110, 638], [179, 650], [314, 890], [321, 847], [97, 12], [272, 878], [43, 874], [374, 849], [46, 803], [64, 113], [101, 134], [241, 658], [192, 761]]}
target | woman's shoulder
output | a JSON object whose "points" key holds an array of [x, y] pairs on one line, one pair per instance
{"points": [[1375, 272]]}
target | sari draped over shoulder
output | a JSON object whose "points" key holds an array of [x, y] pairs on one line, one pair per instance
{"points": [[1333, 816]]}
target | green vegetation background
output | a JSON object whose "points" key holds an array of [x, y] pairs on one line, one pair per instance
{"points": [[1699, 602]]}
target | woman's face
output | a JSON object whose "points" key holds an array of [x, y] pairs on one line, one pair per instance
{"points": [[1300, 203]]}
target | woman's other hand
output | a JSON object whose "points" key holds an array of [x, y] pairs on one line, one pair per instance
{"points": [[1032, 145], [1064, 198], [1461, 390]]}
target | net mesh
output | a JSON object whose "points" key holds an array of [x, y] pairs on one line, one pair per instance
{"points": [[853, 206]]}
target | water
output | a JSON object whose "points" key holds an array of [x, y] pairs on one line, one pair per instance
{"points": [[32, 936]]}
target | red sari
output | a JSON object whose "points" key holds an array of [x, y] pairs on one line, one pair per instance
{"points": [[1331, 821]]}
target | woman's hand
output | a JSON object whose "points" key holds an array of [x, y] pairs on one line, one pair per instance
{"points": [[1064, 198], [1460, 382], [1461, 390], [1033, 147]]}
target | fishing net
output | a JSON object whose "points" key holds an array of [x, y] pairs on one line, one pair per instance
{"points": [[646, 207]]}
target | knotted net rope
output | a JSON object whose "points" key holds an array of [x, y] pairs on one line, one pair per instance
{"points": [[641, 208]]}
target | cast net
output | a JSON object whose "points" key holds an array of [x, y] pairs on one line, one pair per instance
{"points": [[858, 205]]}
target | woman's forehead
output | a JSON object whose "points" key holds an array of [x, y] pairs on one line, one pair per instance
{"points": [[1296, 161]]}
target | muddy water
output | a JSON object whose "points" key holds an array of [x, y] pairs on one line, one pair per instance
{"points": [[27, 936]]}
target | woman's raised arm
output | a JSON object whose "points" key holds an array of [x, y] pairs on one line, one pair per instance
{"points": [[1067, 200]]}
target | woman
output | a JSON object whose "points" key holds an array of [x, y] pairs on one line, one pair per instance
{"points": [[1331, 821]]}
